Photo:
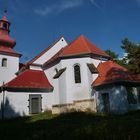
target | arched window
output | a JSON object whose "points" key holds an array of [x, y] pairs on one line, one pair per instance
{"points": [[77, 74], [4, 62], [5, 26]]}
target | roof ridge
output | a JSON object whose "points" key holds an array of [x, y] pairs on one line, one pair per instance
{"points": [[85, 42]]}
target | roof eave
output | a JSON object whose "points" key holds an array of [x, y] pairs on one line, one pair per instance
{"points": [[117, 82], [11, 53], [16, 89]]}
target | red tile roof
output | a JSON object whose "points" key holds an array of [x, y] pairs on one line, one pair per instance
{"points": [[82, 46], [29, 80], [78, 47], [9, 51], [5, 39], [111, 72]]}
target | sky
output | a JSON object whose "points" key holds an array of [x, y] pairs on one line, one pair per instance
{"points": [[36, 24]]}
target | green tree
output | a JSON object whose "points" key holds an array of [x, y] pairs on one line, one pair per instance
{"points": [[115, 57], [112, 54], [133, 55]]}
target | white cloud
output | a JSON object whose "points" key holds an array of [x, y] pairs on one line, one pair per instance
{"points": [[59, 7], [45, 11]]}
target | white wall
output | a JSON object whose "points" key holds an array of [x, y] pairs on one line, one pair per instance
{"points": [[65, 88], [17, 104], [117, 99], [8, 73], [35, 67], [51, 52], [79, 91]]}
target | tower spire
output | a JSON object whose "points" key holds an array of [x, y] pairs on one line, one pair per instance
{"points": [[5, 39], [5, 15], [5, 12]]}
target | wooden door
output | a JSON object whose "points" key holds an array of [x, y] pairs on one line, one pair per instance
{"points": [[35, 104], [106, 104]]}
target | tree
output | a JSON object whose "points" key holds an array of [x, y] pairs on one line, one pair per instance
{"points": [[133, 55], [115, 57], [112, 54]]}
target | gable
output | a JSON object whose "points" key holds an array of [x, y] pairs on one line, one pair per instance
{"points": [[49, 52]]}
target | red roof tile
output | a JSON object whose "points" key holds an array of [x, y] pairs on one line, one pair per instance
{"points": [[29, 80], [9, 51], [6, 39], [79, 46], [82, 46], [111, 72]]}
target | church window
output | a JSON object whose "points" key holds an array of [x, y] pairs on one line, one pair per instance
{"points": [[4, 62], [77, 74]]}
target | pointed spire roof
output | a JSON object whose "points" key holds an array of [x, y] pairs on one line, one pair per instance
{"points": [[4, 18], [82, 46]]}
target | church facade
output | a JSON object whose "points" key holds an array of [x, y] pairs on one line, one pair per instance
{"points": [[63, 77]]}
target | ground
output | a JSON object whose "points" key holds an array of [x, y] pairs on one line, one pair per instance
{"points": [[77, 125]]}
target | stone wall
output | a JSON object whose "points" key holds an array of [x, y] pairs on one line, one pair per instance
{"points": [[81, 105]]}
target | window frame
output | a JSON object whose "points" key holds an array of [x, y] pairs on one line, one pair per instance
{"points": [[4, 62], [77, 75]]}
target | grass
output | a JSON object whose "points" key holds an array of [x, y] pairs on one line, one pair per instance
{"points": [[76, 125]]}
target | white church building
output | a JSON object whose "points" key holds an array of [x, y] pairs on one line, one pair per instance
{"points": [[63, 77]]}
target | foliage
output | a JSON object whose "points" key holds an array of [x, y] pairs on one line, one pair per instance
{"points": [[76, 125], [133, 55], [112, 54], [115, 57], [132, 60]]}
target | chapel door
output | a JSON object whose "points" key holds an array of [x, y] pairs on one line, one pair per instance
{"points": [[35, 104], [106, 104]]}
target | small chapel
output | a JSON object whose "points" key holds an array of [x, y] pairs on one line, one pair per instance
{"points": [[63, 77]]}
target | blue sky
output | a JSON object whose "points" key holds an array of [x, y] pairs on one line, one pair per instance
{"points": [[37, 24]]}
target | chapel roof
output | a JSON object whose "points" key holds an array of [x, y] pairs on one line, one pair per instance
{"points": [[79, 47], [82, 45], [110, 72], [29, 80]]}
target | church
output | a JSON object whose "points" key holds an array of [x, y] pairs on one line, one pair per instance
{"points": [[64, 77]]}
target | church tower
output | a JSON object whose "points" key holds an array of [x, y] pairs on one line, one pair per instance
{"points": [[9, 59]]}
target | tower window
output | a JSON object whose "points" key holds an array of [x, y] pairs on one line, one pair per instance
{"points": [[4, 62], [77, 74], [5, 26]]}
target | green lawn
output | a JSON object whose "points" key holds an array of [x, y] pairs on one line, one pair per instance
{"points": [[77, 125]]}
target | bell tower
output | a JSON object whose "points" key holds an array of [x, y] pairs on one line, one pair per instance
{"points": [[9, 58], [5, 39]]}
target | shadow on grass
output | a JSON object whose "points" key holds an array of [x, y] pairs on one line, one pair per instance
{"points": [[76, 125]]}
